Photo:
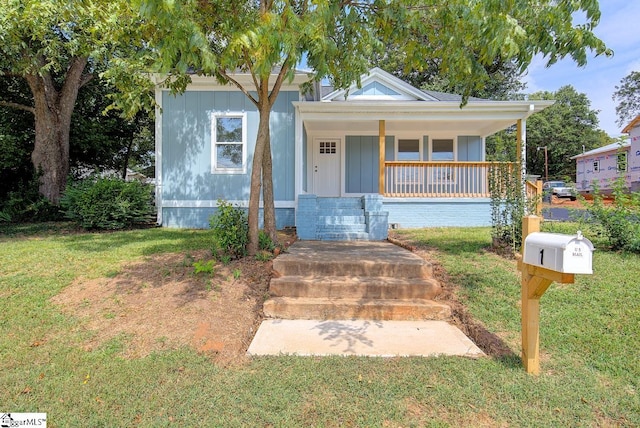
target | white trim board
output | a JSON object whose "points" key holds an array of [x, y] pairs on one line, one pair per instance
{"points": [[175, 203]]}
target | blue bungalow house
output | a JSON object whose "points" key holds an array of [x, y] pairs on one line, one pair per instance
{"points": [[346, 164]]}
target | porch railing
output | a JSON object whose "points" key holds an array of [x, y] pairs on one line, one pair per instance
{"points": [[438, 179]]}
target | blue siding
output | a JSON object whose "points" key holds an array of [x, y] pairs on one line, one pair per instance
{"points": [[375, 88], [390, 148], [433, 212], [186, 146], [425, 148], [198, 218], [362, 162], [469, 148]]}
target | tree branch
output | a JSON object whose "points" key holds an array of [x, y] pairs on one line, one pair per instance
{"points": [[248, 61], [18, 106], [86, 78], [278, 83], [239, 86]]}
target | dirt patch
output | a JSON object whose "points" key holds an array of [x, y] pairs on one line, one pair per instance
{"points": [[490, 343], [161, 302], [577, 204]]}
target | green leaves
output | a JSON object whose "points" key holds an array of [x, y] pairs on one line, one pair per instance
{"points": [[628, 97]]}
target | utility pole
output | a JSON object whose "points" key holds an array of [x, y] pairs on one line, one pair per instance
{"points": [[546, 162]]}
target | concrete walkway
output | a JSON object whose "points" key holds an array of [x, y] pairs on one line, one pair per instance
{"points": [[362, 338], [375, 279]]}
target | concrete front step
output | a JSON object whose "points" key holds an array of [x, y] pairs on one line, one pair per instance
{"points": [[332, 266], [339, 228], [351, 203], [354, 287], [342, 236], [372, 309], [340, 212], [340, 220]]}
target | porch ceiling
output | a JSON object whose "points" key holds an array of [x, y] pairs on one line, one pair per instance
{"points": [[476, 118], [426, 127]]}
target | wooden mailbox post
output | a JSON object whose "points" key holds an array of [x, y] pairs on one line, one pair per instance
{"points": [[536, 280]]}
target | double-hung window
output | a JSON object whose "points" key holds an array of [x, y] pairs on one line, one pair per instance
{"points": [[442, 151], [229, 143], [408, 150]]}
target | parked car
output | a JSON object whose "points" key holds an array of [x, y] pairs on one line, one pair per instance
{"points": [[559, 189]]}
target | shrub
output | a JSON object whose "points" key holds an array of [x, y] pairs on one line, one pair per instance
{"points": [[26, 204], [264, 242], [108, 203], [230, 230], [508, 205], [619, 222]]}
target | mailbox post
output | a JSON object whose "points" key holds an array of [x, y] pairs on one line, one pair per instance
{"points": [[546, 258]]}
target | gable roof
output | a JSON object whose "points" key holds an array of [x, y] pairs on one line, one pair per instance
{"points": [[608, 148], [379, 85], [635, 122]]}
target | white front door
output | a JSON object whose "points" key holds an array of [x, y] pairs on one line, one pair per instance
{"points": [[326, 167]]}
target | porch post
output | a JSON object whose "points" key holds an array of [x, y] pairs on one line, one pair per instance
{"points": [[522, 152], [381, 144]]}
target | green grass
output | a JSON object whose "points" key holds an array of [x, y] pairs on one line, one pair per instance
{"points": [[590, 341]]}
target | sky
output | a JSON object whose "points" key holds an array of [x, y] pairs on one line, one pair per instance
{"points": [[619, 28]]}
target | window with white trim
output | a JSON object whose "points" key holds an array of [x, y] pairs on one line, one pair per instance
{"points": [[442, 150], [408, 150], [229, 143]]}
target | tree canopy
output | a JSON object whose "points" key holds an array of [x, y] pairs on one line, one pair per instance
{"points": [[566, 129], [628, 97], [56, 47], [338, 38]]}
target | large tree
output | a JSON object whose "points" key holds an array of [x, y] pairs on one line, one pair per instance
{"points": [[566, 129], [501, 81], [628, 97], [338, 37], [54, 46]]}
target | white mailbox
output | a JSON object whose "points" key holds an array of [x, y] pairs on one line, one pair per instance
{"points": [[558, 252]]}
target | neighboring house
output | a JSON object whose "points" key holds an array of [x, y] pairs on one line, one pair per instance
{"points": [[345, 164], [599, 168], [633, 129]]}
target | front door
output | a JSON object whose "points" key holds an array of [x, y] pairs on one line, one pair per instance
{"points": [[326, 167]]}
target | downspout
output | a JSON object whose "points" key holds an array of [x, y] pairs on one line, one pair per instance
{"points": [[158, 159]]}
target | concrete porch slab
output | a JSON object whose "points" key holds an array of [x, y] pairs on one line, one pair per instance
{"points": [[362, 338]]}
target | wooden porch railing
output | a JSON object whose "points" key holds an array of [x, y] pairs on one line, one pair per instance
{"points": [[534, 196], [451, 180], [438, 179]]}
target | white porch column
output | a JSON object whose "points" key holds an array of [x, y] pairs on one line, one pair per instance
{"points": [[522, 153]]}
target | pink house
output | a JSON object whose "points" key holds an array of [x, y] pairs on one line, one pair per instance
{"points": [[600, 167], [633, 129]]}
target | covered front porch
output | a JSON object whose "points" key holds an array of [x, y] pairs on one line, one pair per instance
{"points": [[415, 150], [427, 172]]}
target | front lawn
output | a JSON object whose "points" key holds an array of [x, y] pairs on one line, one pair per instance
{"points": [[590, 342]]}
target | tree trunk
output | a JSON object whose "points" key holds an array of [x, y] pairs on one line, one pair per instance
{"points": [[127, 155], [267, 192], [264, 111], [53, 110]]}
